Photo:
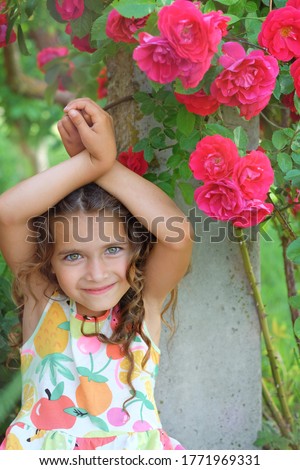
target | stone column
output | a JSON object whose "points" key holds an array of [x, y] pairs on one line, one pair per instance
{"points": [[209, 385]]}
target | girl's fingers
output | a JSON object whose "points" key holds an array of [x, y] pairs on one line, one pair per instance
{"points": [[79, 122], [85, 105]]}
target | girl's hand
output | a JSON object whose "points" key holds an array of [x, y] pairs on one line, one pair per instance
{"points": [[96, 130], [70, 136]]}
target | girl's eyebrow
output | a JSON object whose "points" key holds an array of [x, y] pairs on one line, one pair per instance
{"points": [[75, 249]]}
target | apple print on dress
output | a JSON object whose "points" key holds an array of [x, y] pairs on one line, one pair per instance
{"points": [[53, 412], [53, 335]]}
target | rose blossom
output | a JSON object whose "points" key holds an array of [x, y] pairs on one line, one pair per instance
{"points": [[198, 103], [135, 161], [254, 175], [121, 29], [280, 33], [156, 58], [49, 53], [293, 3], [3, 30], [221, 200], [295, 72], [187, 30], [69, 9], [218, 21], [102, 83], [214, 158], [254, 212], [247, 81], [82, 44]]}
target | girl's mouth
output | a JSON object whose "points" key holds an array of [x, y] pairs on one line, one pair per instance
{"points": [[99, 290]]}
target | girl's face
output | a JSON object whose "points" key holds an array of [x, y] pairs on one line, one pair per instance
{"points": [[90, 260]]}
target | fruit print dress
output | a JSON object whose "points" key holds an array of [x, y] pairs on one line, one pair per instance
{"points": [[74, 387]]}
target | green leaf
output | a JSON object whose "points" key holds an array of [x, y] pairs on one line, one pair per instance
{"points": [[174, 160], [58, 391], [185, 121], [294, 177], [240, 138], [30, 7], [280, 139], [141, 145], [296, 157], [293, 251], [286, 82], [294, 302], [297, 322], [187, 192], [185, 171], [21, 41], [253, 27], [297, 103], [94, 5], [228, 2], [82, 25], [141, 97], [211, 129], [136, 9], [166, 187], [285, 162]]}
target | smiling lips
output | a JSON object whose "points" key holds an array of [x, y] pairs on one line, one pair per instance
{"points": [[101, 290]]}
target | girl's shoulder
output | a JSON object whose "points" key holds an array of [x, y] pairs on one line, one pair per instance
{"points": [[36, 299]]}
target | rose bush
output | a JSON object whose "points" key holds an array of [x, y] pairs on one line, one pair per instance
{"points": [[199, 59]]}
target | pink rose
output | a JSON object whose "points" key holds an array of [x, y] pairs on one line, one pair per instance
{"points": [[198, 103], [135, 161], [293, 3], [295, 72], [49, 53], [280, 33], [69, 9], [254, 175], [102, 83], [191, 73], [221, 200], [247, 81], [218, 21], [156, 58], [214, 158], [254, 212], [82, 44], [3, 30], [188, 31], [121, 29]]}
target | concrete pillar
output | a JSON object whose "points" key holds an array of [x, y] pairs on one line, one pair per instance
{"points": [[209, 385]]}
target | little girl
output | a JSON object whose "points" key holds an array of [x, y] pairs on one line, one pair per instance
{"points": [[95, 250]]}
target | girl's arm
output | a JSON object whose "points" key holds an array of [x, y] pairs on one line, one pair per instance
{"points": [[169, 260], [35, 195]]}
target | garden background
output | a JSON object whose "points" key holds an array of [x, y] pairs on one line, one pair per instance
{"points": [[88, 59]]}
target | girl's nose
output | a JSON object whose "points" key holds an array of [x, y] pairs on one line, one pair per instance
{"points": [[96, 270]]}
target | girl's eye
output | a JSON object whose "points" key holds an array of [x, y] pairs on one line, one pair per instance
{"points": [[73, 257], [113, 250]]}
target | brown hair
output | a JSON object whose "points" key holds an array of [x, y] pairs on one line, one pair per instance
{"points": [[91, 198]]}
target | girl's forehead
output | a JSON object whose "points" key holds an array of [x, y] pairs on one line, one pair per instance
{"points": [[88, 227]]}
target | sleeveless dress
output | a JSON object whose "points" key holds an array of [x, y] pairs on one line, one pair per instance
{"points": [[74, 387]]}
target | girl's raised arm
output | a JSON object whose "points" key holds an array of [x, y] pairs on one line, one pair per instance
{"points": [[37, 194]]}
